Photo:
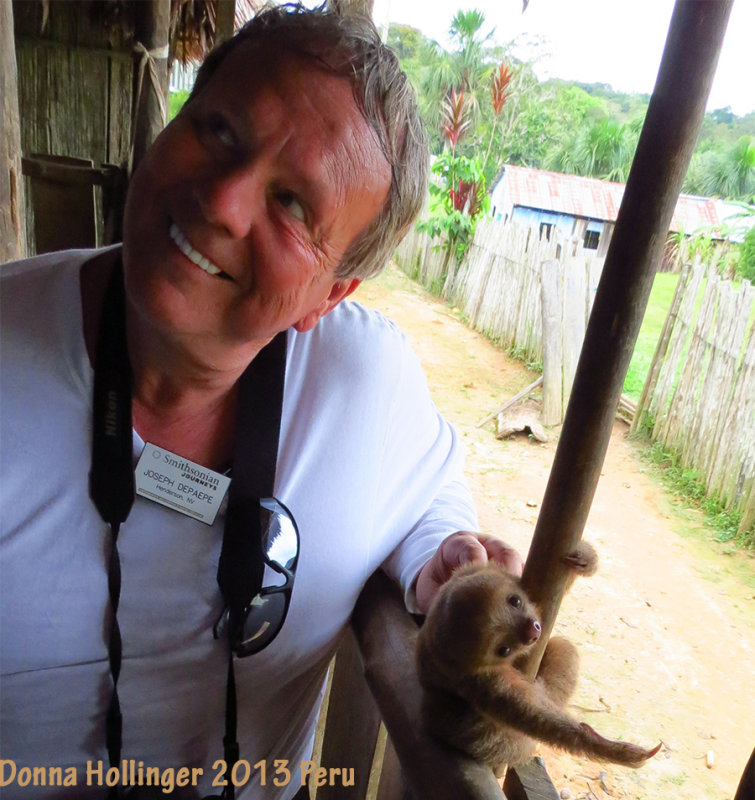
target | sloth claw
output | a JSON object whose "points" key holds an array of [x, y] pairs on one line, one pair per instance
{"points": [[583, 559], [623, 752]]}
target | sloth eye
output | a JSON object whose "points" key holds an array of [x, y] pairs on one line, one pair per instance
{"points": [[515, 601], [503, 651]]}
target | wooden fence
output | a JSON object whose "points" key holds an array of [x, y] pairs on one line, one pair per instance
{"points": [[497, 285], [567, 292], [530, 295], [699, 396]]}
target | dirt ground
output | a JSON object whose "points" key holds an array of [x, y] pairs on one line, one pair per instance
{"points": [[666, 629]]}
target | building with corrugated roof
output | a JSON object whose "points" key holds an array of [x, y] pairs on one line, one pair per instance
{"points": [[583, 208]]}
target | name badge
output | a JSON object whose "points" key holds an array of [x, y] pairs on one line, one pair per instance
{"points": [[179, 484]]}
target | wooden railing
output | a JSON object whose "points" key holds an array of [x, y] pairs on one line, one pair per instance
{"points": [[375, 689]]}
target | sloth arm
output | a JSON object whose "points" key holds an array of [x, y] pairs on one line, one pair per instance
{"points": [[505, 695]]}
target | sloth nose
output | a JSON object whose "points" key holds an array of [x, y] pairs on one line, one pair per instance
{"points": [[532, 631]]}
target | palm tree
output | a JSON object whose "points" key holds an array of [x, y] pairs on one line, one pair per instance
{"points": [[727, 173], [739, 169], [466, 67], [602, 150], [471, 59]]}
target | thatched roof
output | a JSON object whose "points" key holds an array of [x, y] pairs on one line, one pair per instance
{"points": [[192, 26]]}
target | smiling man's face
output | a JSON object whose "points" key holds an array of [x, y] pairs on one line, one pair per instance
{"points": [[239, 214]]}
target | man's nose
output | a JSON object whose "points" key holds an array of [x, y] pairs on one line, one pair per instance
{"points": [[231, 200]]}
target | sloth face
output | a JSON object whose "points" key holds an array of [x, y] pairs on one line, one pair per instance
{"points": [[481, 618]]}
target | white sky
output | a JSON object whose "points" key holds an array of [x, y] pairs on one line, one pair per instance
{"points": [[619, 42]]}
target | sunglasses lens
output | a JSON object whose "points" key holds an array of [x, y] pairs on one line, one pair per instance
{"points": [[267, 611], [280, 539], [264, 620]]}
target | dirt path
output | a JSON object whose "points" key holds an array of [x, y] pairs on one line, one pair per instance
{"points": [[666, 629]]}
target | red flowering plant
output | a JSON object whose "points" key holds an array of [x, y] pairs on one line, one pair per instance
{"points": [[499, 91], [457, 195], [456, 117]]}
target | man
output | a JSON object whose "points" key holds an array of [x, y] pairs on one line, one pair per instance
{"points": [[290, 175]]}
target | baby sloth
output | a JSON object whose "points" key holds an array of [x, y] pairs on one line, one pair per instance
{"points": [[474, 697]]}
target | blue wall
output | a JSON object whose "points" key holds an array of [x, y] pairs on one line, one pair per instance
{"points": [[563, 223]]}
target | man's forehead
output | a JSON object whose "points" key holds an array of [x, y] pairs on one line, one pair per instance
{"points": [[294, 105], [255, 61], [285, 85]]}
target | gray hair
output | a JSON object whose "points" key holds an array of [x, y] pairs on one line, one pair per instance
{"points": [[348, 45]]}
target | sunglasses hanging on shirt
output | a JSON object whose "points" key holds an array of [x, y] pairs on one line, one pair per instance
{"points": [[260, 548]]}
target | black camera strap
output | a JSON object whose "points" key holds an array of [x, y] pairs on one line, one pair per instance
{"points": [[241, 565], [111, 487], [111, 478]]}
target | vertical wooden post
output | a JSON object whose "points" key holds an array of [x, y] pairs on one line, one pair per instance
{"points": [[666, 143], [225, 12], [552, 304], [12, 227], [354, 6], [152, 26]]}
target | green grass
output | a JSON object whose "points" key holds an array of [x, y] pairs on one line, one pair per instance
{"points": [[686, 484], [657, 310], [661, 296], [177, 99]]}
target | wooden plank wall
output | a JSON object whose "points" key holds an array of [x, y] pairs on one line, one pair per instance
{"points": [[12, 224], [75, 74], [699, 398]]}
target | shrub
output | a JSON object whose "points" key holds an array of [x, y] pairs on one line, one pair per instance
{"points": [[746, 266]]}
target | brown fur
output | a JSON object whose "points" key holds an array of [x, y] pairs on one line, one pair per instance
{"points": [[473, 696]]}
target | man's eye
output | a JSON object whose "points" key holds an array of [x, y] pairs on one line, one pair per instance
{"points": [[218, 128], [292, 205]]}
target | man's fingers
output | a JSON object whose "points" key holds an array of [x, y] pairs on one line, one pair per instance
{"points": [[502, 554], [462, 548]]}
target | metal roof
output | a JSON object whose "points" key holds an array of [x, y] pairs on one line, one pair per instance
{"points": [[578, 196]]}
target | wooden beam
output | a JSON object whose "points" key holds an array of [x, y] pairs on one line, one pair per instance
{"points": [[353, 6], [387, 634], [225, 13], [351, 726], [666, 143], [529, 781], [152, 25], [746, 788], [12, 224]]}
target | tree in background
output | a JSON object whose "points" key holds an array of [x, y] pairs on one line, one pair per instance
{"points": [[603, 149], [565, 126], [435, 72], [545, 125], [722, 170]]}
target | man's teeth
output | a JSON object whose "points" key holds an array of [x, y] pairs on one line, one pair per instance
{"points": [[193, 255]]}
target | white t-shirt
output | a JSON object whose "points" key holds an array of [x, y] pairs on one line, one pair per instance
{"points": [[369, 469]]}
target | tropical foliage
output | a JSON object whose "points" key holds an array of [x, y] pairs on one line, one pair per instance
{"points": [[723, 170], [457, 192], [583, 129]]}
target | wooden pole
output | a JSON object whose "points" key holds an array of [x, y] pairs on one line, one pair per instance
{"points": [[225, 12], [353, 6], [12, 225], [666, 143], [152, 25], [386, 636]]}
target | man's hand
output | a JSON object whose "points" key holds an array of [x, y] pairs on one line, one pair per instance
{"points": [[460, 548]]}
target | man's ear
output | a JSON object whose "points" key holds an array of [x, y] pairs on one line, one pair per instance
{"points": [[340, 291]]}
